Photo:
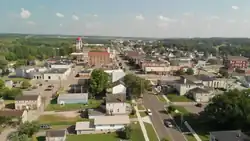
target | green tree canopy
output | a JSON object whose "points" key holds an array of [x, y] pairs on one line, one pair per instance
{"points": [[230, 110], [99, 81], [25, 84], [190, 71], [28, 128]]}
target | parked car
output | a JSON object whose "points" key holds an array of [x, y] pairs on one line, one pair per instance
{"points": [[149, 112], [198, 105], [168, 123], [45, 126]]}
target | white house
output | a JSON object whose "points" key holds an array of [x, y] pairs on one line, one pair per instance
{"points": [[57, 74], [116, 104], [118, 87], [111, 122], [116, 74]]}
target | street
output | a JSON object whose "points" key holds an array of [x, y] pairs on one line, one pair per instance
{"points": [[151, 102]]}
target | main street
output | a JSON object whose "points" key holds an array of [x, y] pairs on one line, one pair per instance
{"points": [[151, 102]]}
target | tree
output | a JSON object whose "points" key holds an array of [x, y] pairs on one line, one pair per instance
{"points": [[5, 120], [190, 71], [224, 73], [28, 128], [99, 81], [2, 84], [16, 136], [126, 133], [179, 72], [10, 94], [230, 110], [25, 84]]}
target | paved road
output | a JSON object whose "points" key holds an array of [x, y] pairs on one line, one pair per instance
{"points": [[151, 102]]}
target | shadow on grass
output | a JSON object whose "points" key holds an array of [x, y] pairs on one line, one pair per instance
{"points": [[41, 138]]}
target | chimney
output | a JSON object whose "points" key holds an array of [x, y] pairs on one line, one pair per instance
{"points": [[185, 80]]}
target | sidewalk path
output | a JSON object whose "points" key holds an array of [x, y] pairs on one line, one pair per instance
{"points": [[144, 131], [186, 123]]}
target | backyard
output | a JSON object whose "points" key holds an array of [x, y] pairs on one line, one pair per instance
{"points": [[177, 98], [69, 107], [136, 135]]}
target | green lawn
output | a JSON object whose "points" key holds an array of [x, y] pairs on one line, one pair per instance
{"points": [[181, 109], [59, 120], [143, 114], [70, 107], [177, 98], [14, 79], [136, 136], [141, 107], [160, 98], [151, 132], [190, 137], [132, 116]]}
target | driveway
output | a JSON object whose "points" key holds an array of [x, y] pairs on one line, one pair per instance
{"points": [[151, 102]]}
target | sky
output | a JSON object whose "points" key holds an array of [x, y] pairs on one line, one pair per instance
{"points": [[130, 18]]}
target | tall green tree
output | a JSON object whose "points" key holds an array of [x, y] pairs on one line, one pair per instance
{"points": [[190, 71], [16, 136], [28, 128], [99, 81]]}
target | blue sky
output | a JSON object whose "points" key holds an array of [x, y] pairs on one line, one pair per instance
{"points": [[143, 18]]}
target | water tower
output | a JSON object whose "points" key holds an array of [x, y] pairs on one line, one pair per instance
{"points": [[79, 44]]}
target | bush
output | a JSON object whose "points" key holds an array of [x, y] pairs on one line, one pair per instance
{"points": [[125, 133], [171, 109]]}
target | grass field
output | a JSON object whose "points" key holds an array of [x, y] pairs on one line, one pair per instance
{"points": [[135, 136], [69, 107], [177, 98], [151, 132], [141, 107], [160, 98], [15, 79], [143, 114], [59, 120]]}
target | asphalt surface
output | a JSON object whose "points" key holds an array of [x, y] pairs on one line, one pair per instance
{"points": [[151, 102]]}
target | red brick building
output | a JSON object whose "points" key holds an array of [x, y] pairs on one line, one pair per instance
{"points": [[99, 58], [232, 62]]}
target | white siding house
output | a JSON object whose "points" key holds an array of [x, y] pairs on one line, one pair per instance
{"points": [[116, 104], [119, 89], [116, 74], [111, 122]]}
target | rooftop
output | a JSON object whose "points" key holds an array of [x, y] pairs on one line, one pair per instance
{"points": [[233, 135], [11, 113], [55, 133], [56, 70], [107, 120], [27, 97], [115, 98], [83, 125], [236, 58], [97, 53]]}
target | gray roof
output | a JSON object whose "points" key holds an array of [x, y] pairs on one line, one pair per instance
{"points": [[236, 58], [26, 97], [114, 98], [199, 77], [55, 133], [200, 90], [57, 70], [233, 135]]}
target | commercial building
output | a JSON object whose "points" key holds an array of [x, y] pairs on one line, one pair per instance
{"points": [[99, 58], [57, 74], [233, 62]]}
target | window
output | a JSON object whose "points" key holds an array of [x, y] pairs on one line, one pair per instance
{"points": [[49, 77]]}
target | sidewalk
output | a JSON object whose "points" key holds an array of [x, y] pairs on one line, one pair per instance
{"points": [[186, 123], [144, 131]]}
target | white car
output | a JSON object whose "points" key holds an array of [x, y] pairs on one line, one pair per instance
{"points": [[149, 112]]}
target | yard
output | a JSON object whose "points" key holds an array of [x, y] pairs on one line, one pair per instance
{"points": [[141, 107], [143, 114], [151, 132], [54, 119], [69, 107], [15, 79], [136, 136], [177, 98], [10, 104], [194, 121]]}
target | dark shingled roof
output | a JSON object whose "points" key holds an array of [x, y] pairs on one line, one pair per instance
{"points": [[55, 133], [27, 97], [233, 135], [11, 113], [113, 98]]}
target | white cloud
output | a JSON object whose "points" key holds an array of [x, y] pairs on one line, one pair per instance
{"points": [[235, 7], [95, 15], [74, 17], [139, 17], [60, 15], [188, 14], [60, 25], [213, 18], [25, 14], [166, 19], [31, 22]]}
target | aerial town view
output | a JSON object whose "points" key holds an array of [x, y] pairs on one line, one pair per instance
{"points": [[124, 70]]}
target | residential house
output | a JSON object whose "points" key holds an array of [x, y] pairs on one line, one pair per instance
{"points": [[56, 135], [118, 87], [84, 127], [111, 123], [57, 74], [15, 114], [116, 104], [28, 102], [201, 94], [30, 72], [116, 74], [71, 98], [232, 135]]}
